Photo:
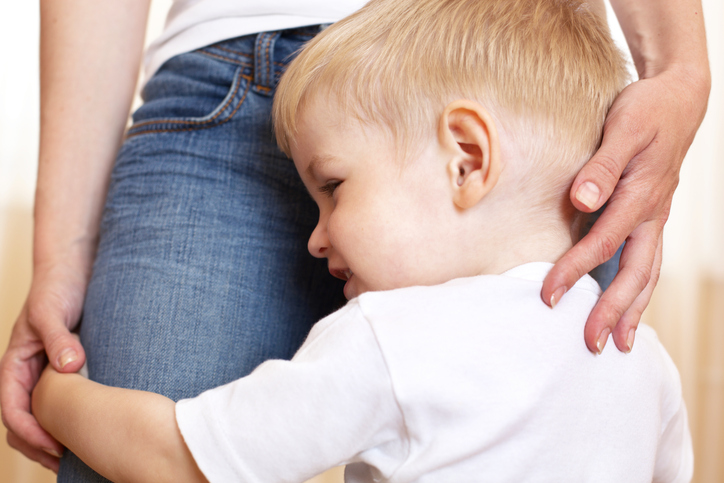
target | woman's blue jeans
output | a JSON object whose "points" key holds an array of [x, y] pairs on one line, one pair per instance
{"points": [[202, 270]]}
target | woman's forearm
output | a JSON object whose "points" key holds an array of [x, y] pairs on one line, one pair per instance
{"points": [[665, 34], [123, 434], [89, 59]]}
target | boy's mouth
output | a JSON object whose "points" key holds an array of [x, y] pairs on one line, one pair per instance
{"points": [[345, 274]]}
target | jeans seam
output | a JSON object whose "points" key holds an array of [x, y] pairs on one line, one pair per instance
{"points": [[228, 59], [257, 48], [217, 46], [267, 60], [244, 54], [197, 124]]}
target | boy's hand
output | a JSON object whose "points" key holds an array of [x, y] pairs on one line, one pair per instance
{"points": [[647, 133], [54, 304]]}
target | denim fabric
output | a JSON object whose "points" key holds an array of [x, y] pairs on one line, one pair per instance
{"points": [[202, 270], [604, 273]]}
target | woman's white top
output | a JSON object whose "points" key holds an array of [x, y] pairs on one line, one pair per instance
{"points": [[192, 24]]}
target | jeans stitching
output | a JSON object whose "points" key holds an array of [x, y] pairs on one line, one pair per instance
{"points": [[267, 59], [228, 59], [198, 124], [231, 51], [257, 63]]}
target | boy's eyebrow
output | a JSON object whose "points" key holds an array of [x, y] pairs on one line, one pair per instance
{"points": [[317, 162]]}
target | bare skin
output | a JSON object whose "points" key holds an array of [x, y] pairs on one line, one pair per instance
{"points": [[146, 444], [647, 133], [90, 53]]}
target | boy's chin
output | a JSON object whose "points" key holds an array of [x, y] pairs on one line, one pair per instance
{"points": [[353, 288], [349, 290]]}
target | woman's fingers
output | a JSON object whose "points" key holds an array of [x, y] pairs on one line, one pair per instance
{"points": [[625, 135], [628, 290], [51, 462], [64, 351], [42, 326], [19, 371], [625, 138], [624, 334], [647, 133]]}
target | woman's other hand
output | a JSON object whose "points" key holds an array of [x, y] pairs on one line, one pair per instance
{"points": [[52, 308]]}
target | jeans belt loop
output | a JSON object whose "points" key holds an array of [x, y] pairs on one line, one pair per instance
{"points": [[264, 78]]}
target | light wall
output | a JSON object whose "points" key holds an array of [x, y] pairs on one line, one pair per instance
{"points": [[687, 309]]}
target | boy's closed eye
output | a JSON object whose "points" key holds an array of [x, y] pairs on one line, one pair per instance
{"points": [[329, 188]]}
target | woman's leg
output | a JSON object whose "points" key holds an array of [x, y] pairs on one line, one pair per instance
{"points": [[202, 271]]}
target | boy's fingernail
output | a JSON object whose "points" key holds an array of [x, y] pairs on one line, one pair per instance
{"points": [[601, 342], [557, 296], [630, 339], [52, 452], [588, 194], [66, 357]]}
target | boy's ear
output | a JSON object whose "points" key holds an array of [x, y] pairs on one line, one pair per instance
{"points": [[467, 131]]}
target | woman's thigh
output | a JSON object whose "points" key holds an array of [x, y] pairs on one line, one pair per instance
{"points": [[202, 270]]}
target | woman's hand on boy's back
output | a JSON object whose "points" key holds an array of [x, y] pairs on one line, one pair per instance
{"points": [[647, 133], [636, 170]]}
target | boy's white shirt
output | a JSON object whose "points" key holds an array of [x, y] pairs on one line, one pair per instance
{"points": [[192, 24], [473, 380]]}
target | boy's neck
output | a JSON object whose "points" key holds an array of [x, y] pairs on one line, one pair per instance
{"points": [[547, 247], [504, 242]]}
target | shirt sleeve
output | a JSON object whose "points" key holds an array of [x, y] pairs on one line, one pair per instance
{"points": [[291, 420]]}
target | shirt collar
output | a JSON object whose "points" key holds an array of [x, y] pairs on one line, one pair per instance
{"points": [[537, 271]]}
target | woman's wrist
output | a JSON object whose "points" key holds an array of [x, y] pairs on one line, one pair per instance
{"points": [[664, 35], [72, 260]]}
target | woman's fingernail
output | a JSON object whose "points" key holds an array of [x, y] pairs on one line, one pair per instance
{"points": [[66, 357], [588, 194], [557, 296], [630, 339], [52, 452], [601, 342]]}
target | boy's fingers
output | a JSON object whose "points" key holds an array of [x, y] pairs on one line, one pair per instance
{"points": [[633, 279], [624, 335]]}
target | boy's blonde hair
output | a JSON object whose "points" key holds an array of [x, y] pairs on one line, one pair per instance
{"points": [[547, 70]]}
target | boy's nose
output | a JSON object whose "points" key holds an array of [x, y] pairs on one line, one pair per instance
{"points": [[318, 242]]}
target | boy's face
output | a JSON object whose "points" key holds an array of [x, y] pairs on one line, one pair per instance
{"points": [[383, 224]]}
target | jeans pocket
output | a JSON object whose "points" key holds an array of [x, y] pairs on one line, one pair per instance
{"points": [[191, 91]]}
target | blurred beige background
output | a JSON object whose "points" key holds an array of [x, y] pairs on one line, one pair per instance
{"points": [[687, 309]]}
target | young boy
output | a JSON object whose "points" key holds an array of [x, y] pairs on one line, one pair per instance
{"points": [[439, 139]]}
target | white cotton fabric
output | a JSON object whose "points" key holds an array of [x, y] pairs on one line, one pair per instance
{"points": [[192, 24], [473, 380]]}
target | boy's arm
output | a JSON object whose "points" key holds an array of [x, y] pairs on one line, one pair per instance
{"points": [[124, 435], [646, 135]]}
